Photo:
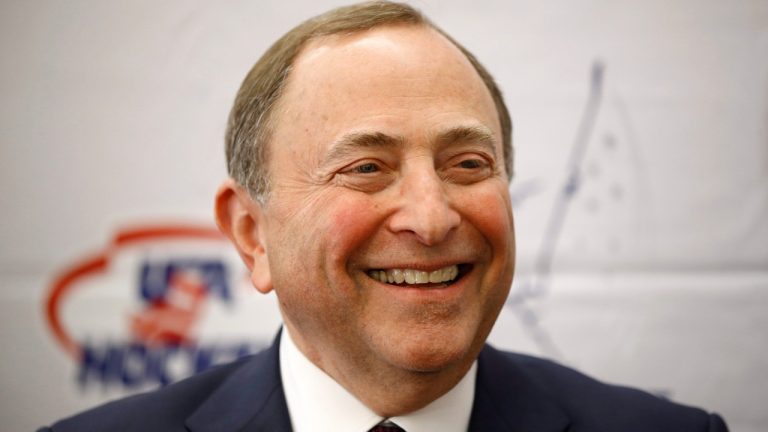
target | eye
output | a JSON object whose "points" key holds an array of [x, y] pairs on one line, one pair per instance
{"points": [[366, 168], [472, 163], [468, 168], [369, 175]]}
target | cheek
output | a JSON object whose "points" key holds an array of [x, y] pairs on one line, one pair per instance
{"points": [[491, 213], [352, 222]]}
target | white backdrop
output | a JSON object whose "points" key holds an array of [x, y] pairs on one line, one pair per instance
{"points": [[641, 187]]}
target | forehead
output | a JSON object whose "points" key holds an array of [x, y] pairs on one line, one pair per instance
{"points": [[395, 79]]}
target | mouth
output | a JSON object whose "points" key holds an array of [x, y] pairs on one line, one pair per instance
{"points": [[406, 277]]}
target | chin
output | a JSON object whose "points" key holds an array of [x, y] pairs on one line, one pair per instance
{"points": [[430, 352]]}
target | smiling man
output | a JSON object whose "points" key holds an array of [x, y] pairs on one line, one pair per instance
{"points": [[370, 157], [386, 227]]}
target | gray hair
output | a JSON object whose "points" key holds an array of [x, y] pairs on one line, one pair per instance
{"points": [[252, 119]]}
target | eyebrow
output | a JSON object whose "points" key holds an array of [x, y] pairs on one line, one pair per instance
{"points": [[351, 142], [471, 134], [348, 143]]}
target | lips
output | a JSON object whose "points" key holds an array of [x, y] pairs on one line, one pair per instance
{"points": [[406, 276]]}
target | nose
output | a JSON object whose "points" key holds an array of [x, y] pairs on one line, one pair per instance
{"points": [[424, 208]]}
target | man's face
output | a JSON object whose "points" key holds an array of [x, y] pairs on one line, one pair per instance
{"points": [[386, 164]]}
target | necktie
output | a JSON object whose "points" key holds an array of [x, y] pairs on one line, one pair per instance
{"points": [[386, 427]]}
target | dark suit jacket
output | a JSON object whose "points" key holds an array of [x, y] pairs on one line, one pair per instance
{"points": [[513, 393]]}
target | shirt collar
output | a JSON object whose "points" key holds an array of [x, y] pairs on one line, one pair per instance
{"points": [[317, 403]]}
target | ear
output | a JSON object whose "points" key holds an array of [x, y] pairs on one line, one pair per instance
{"points": [[242, 220]]}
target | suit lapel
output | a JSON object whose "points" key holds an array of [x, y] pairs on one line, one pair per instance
{"points": [[251, 399], [507, 399]]}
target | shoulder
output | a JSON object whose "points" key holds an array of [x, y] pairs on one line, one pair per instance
{"points": [[163, 409], [589, 403]]}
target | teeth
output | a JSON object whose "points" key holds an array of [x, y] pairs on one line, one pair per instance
{"points": [[397, 275], [436, 276], [422, 277], [409, 276], [415, 277]]}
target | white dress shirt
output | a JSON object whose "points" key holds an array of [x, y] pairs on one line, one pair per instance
{"points": [[317, 403]]}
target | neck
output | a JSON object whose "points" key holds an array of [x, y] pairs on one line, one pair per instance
{"points": [[388, 390], [403, 393]]}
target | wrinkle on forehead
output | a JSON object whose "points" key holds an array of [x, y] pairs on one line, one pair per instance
{"points": [[399, 80]]}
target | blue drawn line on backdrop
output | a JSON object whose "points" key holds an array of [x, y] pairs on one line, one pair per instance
{"points": [[538, 284]]}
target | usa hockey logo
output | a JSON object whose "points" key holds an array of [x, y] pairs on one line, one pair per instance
{"points": [[174, 293], [138, 314]]}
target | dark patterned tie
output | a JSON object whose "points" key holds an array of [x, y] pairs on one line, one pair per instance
{"points": [[386, 426]]}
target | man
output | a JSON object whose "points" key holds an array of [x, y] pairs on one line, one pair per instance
{"points": [[370, 156]]}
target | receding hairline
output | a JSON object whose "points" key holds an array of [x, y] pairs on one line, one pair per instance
{"points": [[249, 129], [315, 42]]}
